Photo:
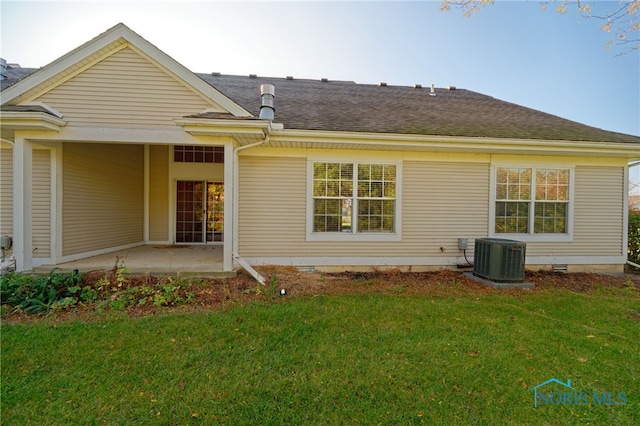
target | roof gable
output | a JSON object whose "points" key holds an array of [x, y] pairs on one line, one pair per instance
{"points": [[125, 89], [102, 47]]}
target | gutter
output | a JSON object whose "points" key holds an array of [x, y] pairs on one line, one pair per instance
{"points": [[339, 139]]}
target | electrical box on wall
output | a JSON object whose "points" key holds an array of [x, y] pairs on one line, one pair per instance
{"points": [[463, 243], [5, 242]]}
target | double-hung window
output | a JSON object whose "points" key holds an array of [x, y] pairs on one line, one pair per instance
{"points": [[353, 200], [533, 201]]}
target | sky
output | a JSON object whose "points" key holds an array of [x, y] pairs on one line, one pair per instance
{"points": [[512, 50]]}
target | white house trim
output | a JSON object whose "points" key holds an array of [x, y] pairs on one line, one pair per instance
{"points": [[56, 201], [22, 203], [401, 142], [230, 206], [354, 236], [424, 261], [531, 237], [13, 120], [146, 171]]}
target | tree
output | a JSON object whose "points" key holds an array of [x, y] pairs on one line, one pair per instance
{"points": [[622, 21]]}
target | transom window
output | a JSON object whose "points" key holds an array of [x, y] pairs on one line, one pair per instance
{"points": [[531, 200], [354, 198], [198, 154]]}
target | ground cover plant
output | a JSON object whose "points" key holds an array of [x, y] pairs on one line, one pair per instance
{"points": [[352, 348], [40, 294]]}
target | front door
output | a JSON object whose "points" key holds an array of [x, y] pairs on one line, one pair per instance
{"points": [[199, 211]]}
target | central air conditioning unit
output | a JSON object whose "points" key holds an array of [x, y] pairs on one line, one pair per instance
{"points": [[499, 260]]}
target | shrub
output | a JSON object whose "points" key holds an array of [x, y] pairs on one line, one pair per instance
{"points": [[34, 294], [634, 236], [39, 293]]}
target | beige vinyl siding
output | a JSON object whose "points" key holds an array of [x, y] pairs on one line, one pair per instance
{"points": [[124, 89], [599, 211], [440, 202], [102, 196], [443, 202], [41, 206], [6, 191], [272, 206], [598, 215], [158, 193]]}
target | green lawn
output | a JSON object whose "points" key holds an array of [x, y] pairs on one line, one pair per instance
{"points": [[351, 359]]}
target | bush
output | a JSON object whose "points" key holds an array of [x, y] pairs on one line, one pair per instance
{"points": [[634, 236], [39, 293]]}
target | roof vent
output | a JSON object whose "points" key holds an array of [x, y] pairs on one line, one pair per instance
{"points": [[215, 74], [253, 75], [383, 84], [289, 77], [417, 86], [451, 87], [324, 80], [433, 90], [267, 94]]}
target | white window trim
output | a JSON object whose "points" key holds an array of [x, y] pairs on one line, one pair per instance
{"points": [[530, 236], [354, 236]]}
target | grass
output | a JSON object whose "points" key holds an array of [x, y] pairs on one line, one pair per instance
{"points": [[349, 359]]}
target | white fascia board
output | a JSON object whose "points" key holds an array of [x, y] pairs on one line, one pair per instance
{"points": [[204, 126], [115, 135], [15, 120], [454, 143]]}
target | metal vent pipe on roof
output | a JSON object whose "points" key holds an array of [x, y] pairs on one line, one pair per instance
{"points": [[267, 95]]}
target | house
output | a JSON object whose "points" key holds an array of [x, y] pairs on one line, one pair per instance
{"points": [[116, 145], [536, 388]]}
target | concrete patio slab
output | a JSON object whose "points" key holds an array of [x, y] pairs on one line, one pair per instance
{"points": [[202, 260]]}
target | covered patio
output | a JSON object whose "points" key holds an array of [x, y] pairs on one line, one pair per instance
{"points": [[202, 260]]}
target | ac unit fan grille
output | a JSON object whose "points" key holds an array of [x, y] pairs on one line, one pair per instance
{"points": [[499, 260]]}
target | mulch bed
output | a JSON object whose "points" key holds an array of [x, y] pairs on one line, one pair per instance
{"points": [[213, 294]]}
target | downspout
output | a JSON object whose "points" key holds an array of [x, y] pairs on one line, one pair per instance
{"points": [[267, 112], [234, 243]]}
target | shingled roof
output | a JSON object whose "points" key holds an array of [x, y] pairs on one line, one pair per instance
{"points": [[350, 107], [347, 106]]}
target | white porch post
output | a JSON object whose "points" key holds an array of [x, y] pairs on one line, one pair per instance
{"points": [[146, 194], [230, 208], [56, 202], [22, 204]]}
